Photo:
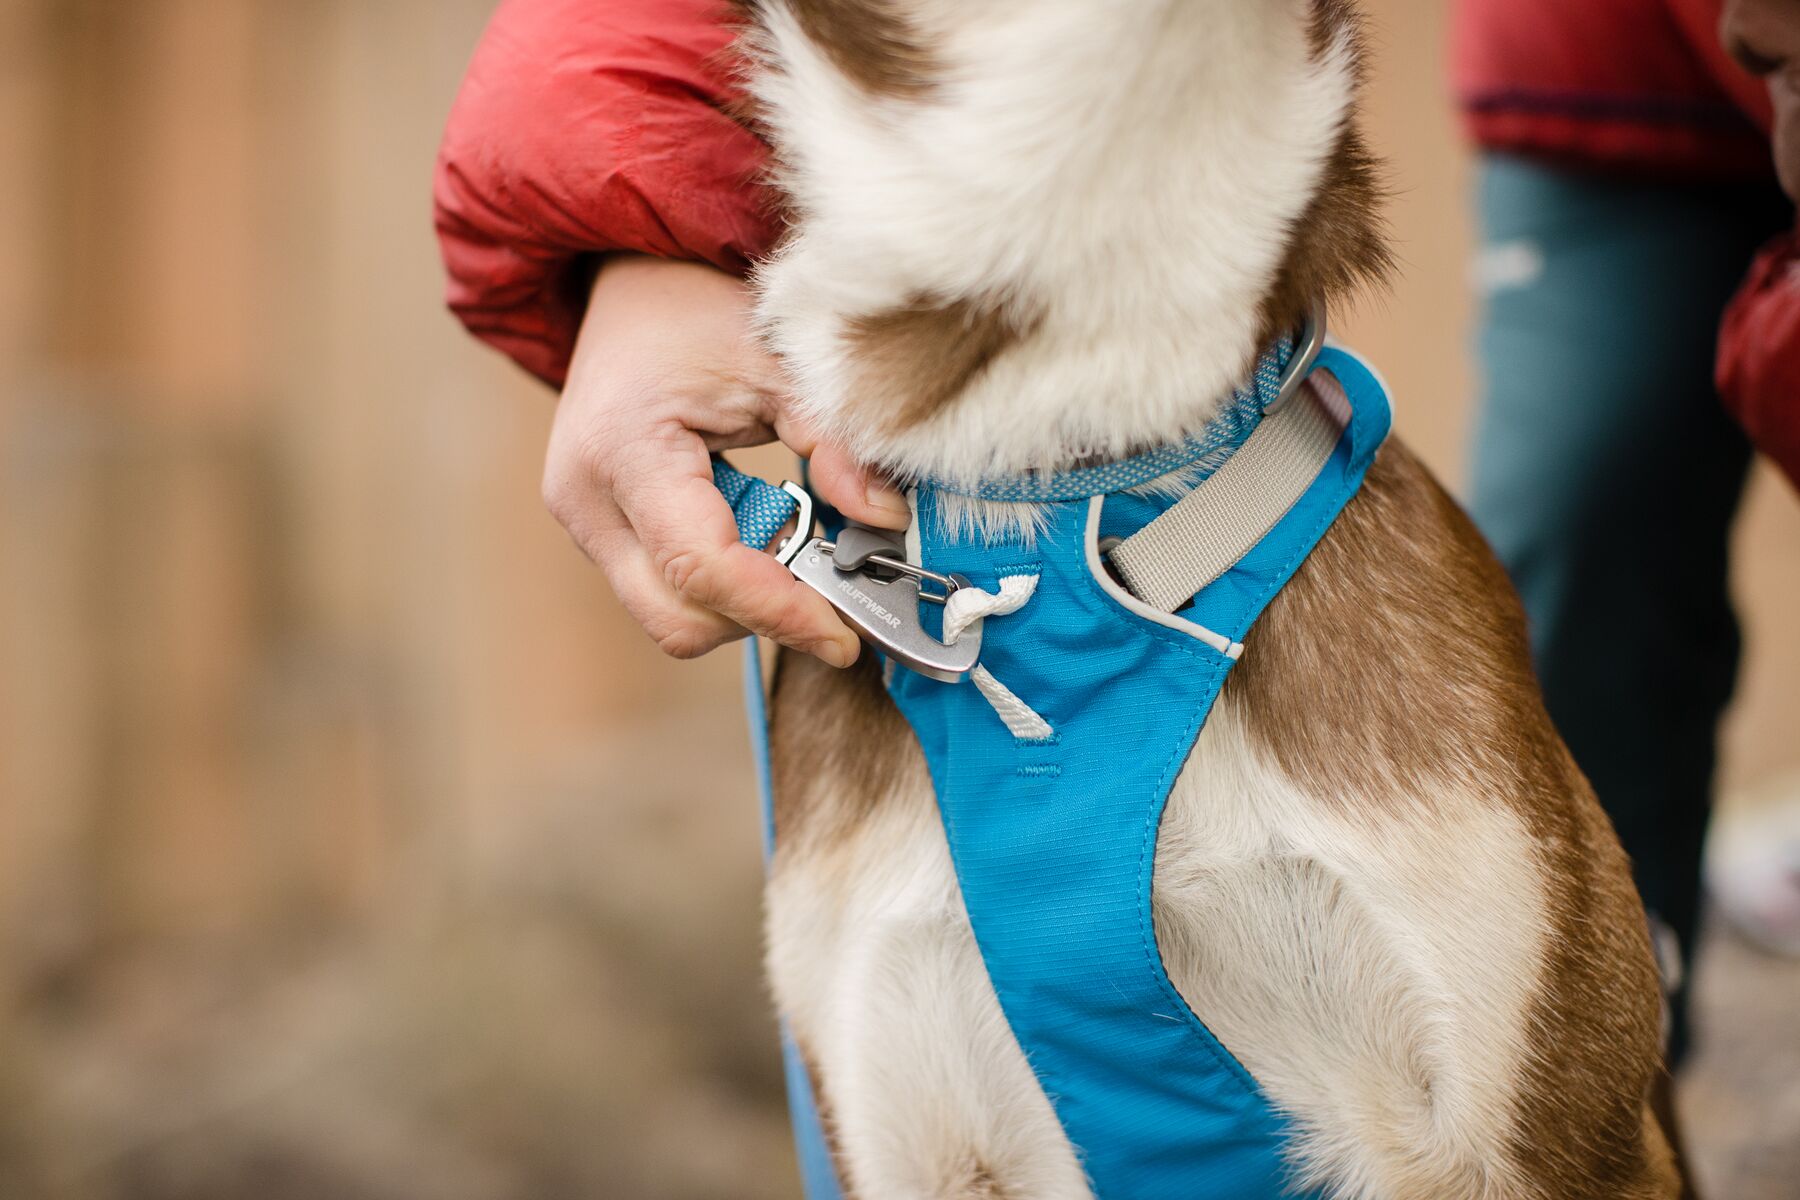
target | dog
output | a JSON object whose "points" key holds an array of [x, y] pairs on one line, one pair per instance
{"points": [[1029, 235]]}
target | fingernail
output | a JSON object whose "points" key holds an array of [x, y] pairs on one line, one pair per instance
{"points": [[888, 500], [840, 654]]}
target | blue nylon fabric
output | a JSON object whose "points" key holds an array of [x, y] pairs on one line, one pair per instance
{"points": [[1054, 840], [1054, 848]]}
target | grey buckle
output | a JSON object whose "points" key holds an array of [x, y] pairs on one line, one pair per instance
{"points": [[866, 577]]}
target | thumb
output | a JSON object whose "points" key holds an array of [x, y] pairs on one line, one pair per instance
{"points": [[851, 487], [856, 490]]}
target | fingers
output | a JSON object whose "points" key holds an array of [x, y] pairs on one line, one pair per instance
{"points": [[687, 532], [851, 487], [667, 363], [679, 627], [847, 485], [855, 490]]}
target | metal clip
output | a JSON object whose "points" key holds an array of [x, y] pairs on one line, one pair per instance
{"points": [[879, 597]]}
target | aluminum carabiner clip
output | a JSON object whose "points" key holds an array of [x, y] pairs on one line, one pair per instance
{"points": [[865, 576]]}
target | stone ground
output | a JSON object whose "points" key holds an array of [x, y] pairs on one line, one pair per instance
{"points": [[1740, 1097], [564, 1027], [511, 1063]]}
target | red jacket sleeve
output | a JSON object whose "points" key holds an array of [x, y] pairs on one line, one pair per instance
{"points": [[1759, 354], [584, 127]]}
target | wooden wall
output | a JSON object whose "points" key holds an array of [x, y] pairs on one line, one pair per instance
{"points": [[294, 670]]}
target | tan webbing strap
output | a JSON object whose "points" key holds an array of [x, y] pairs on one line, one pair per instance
{"points": [[1167, 562]]}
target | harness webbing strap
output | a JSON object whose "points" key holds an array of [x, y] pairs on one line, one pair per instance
{"points": [[759, 508], [1169, 561]]}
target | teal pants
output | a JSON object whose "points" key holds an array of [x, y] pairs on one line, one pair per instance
{"points": [[1606, 475]]}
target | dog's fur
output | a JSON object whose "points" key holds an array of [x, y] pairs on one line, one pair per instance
{"points": [[1028, 233]]}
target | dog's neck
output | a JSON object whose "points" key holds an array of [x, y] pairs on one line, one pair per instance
{"points": [[1031, 232]]}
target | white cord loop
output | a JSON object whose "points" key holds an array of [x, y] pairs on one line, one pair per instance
{"points": [[969, 605]]}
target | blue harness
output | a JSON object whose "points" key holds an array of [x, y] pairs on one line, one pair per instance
{"points": [[1053, 827]]}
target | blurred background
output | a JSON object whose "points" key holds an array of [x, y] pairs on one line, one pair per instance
{"points": [[353, 843]]}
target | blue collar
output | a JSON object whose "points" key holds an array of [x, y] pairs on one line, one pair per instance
{"points": [[1207, 450]]}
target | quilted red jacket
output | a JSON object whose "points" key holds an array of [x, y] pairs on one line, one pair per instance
{"points": [[585, 126], [593, 125], [1759, 355]]}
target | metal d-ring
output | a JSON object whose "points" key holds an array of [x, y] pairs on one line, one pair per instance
{"points": [[1312, 340]]}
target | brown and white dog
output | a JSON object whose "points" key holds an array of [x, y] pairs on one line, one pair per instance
{"points": [[1027, 232]]}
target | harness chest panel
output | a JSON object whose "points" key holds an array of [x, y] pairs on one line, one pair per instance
{"points": [[1054, 844], [1054, 837]]}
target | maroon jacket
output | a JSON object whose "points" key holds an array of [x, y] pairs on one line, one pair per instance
{"points": [[593, 125], [1759, 354], [1640, 85]]}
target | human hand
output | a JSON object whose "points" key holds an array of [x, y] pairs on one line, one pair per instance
{"points": [[666, 370]]}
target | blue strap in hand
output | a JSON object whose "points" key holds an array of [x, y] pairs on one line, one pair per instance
{"points": [[761, 508]]}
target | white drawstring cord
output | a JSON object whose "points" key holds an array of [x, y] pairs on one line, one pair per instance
{"points": [[968, 605]]}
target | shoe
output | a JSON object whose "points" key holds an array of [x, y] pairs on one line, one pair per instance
{"points": [[1753, 863]]}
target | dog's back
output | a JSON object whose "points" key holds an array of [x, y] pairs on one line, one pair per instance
{"points": [[1026, 233]]}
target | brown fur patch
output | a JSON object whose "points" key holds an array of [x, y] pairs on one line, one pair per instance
{"points": [[913, 360], [983, 1186], [1370, 602], [1331, 20], [1339, 242], [870, 41], [1584, 1127], [837, 746], [1397, 657], [1662, 1108]]}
